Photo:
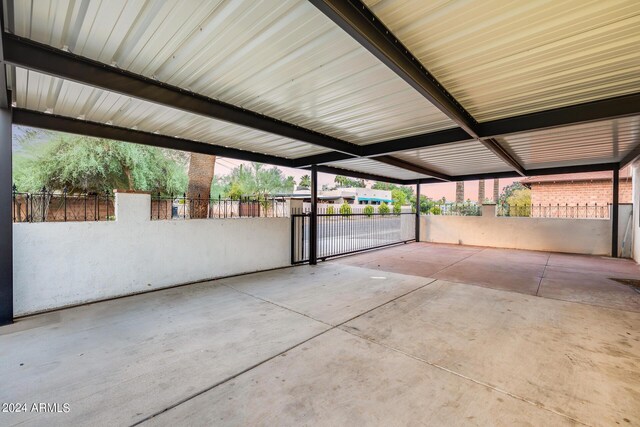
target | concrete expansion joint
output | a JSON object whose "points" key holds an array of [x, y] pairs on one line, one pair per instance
{"points": [[544, 270], [330, 328], [465, 377], [342, 326]]}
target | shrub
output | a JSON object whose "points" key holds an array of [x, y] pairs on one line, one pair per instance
{"points": [[435, 210], [330, 210], [345, 209], [368, 210], [383, 209], [397, 208]]}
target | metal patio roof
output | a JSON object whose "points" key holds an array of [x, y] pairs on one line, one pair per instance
{"points": [[403, 91]]}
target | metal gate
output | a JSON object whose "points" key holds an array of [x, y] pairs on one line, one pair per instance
{"points": [[300, 237], [342, 234]]}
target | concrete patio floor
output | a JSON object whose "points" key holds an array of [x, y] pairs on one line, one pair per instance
{"points": [[414, 334], [569, 277]]}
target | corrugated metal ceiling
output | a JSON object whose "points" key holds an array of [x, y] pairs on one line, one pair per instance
{"points": [[502, 59], [377, 168], [590, 143], [284, 59], [460, 158], [287, 60], [40, 92]]}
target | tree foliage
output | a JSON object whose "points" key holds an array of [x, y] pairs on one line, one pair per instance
{"points": [[426, 204], [345, 209], [305, 181], [368, 210], [345, 182], [401, 193], [520, 197], [509, 190], [86, 164], [253, 180], [399, 197], [383, 209], [435, 210]]}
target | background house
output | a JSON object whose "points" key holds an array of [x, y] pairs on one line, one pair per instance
{"points": [[352, 196], [578, 189]]}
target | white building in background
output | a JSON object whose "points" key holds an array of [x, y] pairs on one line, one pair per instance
{"points": [[352, 196], [356, 196]]}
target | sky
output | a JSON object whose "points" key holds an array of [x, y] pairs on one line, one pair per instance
{"points": [[435, 191]]}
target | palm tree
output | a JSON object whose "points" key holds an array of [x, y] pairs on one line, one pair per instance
{"points": [[305, 181], [460, 192], [481, 191]]}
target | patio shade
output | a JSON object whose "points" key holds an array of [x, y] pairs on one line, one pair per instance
{"points": [[403, 91]]}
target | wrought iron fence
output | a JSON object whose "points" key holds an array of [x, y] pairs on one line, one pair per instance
{"points": [[576, 211], [456, 209], [49, 206], [183, 207], [345, 233]]}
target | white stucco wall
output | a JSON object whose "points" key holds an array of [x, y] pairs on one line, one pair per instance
{"points": [[61, 264], [581, 236], [636, 211], [625, 219]]}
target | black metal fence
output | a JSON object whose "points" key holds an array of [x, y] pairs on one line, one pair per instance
{"points": [[47, 206], [183, 207], [342, 234], [456, 209], [576, 211]]}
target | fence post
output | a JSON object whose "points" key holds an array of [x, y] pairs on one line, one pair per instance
{"points": [[14, 190], [614, 213], [42, 199], [64, 201], [418, 211], [313, 225]]}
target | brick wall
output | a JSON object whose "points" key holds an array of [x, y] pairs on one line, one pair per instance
{"points": [[582, 192]]}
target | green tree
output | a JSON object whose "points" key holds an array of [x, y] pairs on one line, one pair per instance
{"points": [[252, 180], [520, 197], [379, 185], [86, 164], [397, 208], [383, 209], [435, 210], [305, 181], [368, 210], [399, 196], [426, 204], [345, 209], [408, 191], [330, 210], [508, 191], [343, 181]]}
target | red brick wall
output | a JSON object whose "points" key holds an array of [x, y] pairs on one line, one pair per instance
{"points": [[582, 192]]}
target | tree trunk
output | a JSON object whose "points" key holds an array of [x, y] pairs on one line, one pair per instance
{"points": [[496, 190], [481, 191], [460, 192], [127, 172], [201, 170]]}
